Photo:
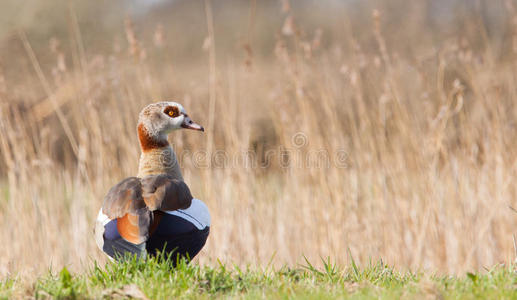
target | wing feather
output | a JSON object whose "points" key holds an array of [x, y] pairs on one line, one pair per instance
{"points": [[124, 202], [162, 192], [133, 200], [124, 197]]}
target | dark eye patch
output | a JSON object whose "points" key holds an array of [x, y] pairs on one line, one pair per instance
{"points": [[172, 111]]}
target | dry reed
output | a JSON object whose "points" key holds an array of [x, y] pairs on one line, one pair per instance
{"points": [[316, 150]]}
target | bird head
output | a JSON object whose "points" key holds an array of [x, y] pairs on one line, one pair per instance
{"points": [[157, 120]]}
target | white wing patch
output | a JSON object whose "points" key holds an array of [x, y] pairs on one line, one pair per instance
{"points": [[101, 221], [102, 218], [196, 214]]}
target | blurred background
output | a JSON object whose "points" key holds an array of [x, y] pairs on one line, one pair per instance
{"points": [[342, 128]]}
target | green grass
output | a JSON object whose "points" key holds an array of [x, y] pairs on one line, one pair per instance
{"points": [[158, 279]]}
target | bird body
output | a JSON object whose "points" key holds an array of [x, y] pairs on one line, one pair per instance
{"points": [[155, 210]]}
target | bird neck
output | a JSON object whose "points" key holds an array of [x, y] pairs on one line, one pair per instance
{"points": [[157, 156]]}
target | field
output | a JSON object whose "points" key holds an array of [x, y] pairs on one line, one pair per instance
{"points": [[157, 280], [373, 130]]}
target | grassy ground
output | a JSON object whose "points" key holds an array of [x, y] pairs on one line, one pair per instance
{"points": [[155, 279]]}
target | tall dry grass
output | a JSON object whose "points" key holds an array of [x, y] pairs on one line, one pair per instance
{"points": [[327, 145]]}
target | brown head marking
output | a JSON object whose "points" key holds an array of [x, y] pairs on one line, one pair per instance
{"points": [[172, 111], [148, 142]]}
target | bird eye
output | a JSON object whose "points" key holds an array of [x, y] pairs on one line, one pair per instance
{"points": [[172, 111]]}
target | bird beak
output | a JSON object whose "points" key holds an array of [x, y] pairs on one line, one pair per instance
{"points": [[189, 124]]}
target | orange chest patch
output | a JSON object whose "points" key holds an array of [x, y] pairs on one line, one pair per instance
{"points": [[128, 227]]}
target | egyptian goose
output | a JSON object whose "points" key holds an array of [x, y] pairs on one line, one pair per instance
{"points": [[155, 210]]}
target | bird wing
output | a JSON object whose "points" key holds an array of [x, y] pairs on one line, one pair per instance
{"points": [[125, 203], [163, 192], [132, 201]]}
